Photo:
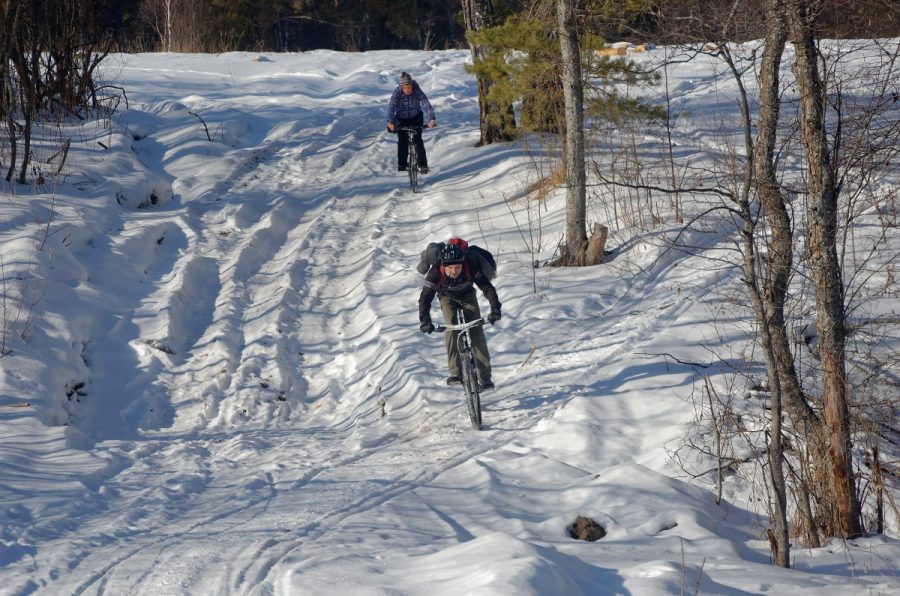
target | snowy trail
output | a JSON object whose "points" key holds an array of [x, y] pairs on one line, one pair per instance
{"points": [[274, 509], [291, 271], [269, 279], [279, 424], [324, 414]]}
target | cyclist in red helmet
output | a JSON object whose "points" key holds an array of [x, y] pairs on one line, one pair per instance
{"points": [[454, 280]]}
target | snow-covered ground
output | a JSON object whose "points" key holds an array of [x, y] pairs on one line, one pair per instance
{"points": [[216, 383]]}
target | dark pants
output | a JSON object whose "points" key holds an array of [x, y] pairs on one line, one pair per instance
{"points": [[469, 304], [403, 141]]}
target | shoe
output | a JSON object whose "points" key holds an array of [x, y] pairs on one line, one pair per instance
{"points": [[454, 380], [401, 168], [487, 385], [423, 169]]}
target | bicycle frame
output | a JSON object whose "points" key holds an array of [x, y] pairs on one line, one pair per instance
{"points": [[467, 369], [412, 158]]}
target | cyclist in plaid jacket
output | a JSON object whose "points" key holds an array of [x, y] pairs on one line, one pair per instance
{"points": [[408, 107]]}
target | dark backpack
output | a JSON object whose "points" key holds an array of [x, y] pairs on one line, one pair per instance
{"points": [[481, 258]]}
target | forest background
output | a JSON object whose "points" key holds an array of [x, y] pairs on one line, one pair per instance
{"points": [[363, 25]]}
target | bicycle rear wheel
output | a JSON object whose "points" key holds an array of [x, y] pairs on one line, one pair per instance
{"points": [[412, 166], [470, 384]]}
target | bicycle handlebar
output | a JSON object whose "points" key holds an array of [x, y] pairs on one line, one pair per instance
{"points": [[398, 129], [461, 327]]}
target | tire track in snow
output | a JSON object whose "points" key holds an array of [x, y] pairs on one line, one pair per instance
{"points": [[418, 430], [210, 529], [249, 264], [299, 251], [455, 442], [261, 232], [257, 385], [265, 562]]}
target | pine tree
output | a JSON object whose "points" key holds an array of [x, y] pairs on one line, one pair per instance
{"points": [[497, 120], [522, 60]]}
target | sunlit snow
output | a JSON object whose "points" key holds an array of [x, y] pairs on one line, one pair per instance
{"points": [[216, 383]]}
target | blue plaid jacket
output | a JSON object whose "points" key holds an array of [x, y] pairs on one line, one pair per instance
{"points": [[409, 106]]}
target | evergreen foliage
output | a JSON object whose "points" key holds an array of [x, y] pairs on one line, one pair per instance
{"points": [[523, 62]]}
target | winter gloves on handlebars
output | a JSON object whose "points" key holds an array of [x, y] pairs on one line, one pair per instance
{"points": [[426, 326]]}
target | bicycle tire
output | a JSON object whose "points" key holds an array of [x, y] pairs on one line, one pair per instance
{"points": [[470, 384], [412, 165]]}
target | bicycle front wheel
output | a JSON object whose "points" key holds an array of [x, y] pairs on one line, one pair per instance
{"points": [[412, 167], [470, 384]]}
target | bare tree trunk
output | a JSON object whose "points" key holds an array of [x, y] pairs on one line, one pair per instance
{"points": [[781, 251], [168, 15], [9, 17], [826, 271], [779, 537], [760, 160], [26, 60], [498, 122], [779, 263], [573, 94]]}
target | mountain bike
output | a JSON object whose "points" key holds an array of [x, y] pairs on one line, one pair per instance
{"points": [[467, 370], [412, 156]]}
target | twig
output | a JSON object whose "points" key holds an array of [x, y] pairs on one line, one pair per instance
{"points": [[206, 128], [527, 358], [678, 360], [49, 220], [65, 153], [662, 189]]}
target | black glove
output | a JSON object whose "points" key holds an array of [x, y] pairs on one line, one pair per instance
{"points": [[493, 317], [426, 326]]}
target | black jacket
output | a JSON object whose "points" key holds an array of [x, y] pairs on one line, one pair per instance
{"points": [[463, 287]]}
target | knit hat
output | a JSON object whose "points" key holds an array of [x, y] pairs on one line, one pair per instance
{"points": [[405, 79]]}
